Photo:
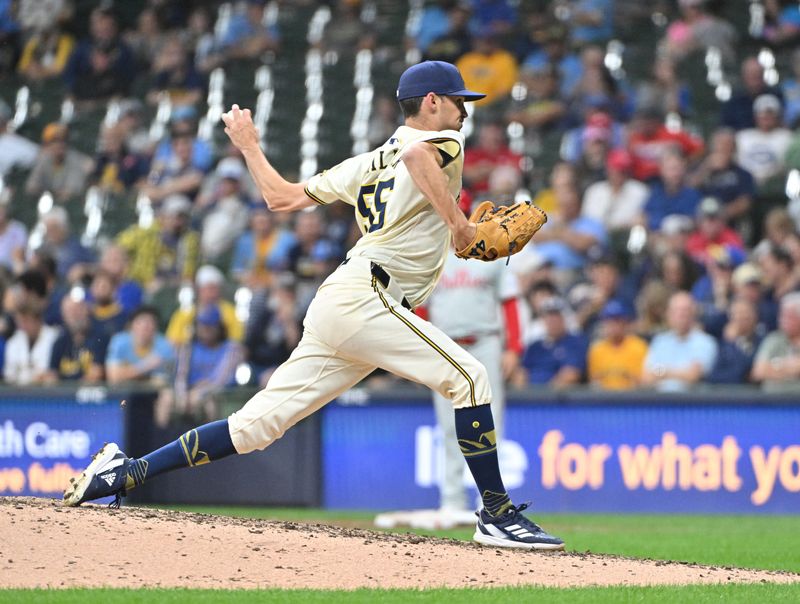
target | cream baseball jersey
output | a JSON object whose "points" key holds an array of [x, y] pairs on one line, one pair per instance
{"points": [[401, 229]]}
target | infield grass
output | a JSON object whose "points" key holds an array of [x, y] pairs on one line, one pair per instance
{"points": [[730, 594], [765, 542]]}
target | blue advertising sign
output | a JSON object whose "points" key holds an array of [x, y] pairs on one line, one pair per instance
{"points": [[45, 441], [579, 458]]}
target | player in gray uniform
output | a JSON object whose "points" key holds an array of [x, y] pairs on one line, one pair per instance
{"points": [[404, 199], [476, 305]]}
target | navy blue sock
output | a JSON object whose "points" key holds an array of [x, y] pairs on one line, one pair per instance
{"points": [[198, 446], [478, 442]]}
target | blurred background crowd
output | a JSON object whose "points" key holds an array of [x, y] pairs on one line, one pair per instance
{"points": [[660, 137]]}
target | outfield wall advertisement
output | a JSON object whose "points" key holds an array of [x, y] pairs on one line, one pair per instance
{"points": [[46, 440], [687, 458]]}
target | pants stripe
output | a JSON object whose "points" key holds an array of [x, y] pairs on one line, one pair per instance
{"points": [[427, 340]]}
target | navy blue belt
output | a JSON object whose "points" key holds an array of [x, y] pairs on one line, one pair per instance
{"points": [[383, 278]]}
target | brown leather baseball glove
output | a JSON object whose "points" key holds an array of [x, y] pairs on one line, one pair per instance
{"points": [[502, 230]]}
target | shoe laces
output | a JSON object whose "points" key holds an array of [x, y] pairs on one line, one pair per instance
{"points": [[115, 505], [516, 511]]}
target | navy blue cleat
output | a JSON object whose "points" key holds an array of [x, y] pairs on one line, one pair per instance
{"points": [[104, 477], [512, 529]]}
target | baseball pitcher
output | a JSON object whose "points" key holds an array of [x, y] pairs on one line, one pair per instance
{"points": [[404, 199]]}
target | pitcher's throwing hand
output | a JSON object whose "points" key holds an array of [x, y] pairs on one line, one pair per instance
{"points": [[240, 128]]}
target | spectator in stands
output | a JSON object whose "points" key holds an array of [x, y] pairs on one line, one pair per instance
{"points": [[650, 141], [67, 250], [176, 173], [273, 328], [384, 120], [261, 250], [205, 365], [605, 283], [27, 352], [651, 309], [166, 252], [15, 151], [790, 87], [747, 282], [455, 41], [543, 108], [209, 285], [41, 285], [591, 166], [778, 227], [116, 168], [780, 277], [737, 346], [351, 33], [102, 66], [133, 130], [505, 183], [592, 21], [615, 360], [488, 67], [45, 54], [698, 30], [107, 314], [58, 169], [616, 202], [720, 176], [491, 150], [147, 40], [13, 237], [433, 23], [499, 16], [562, 176], [140, 354], [677, 271], [79, 352], [567, 237], [558, 360], [712, 233], [777, 361], [782, 22], [713, 291], [114, 263], [737, 112], [222, 214], [246, 36], [663, 90], [312, 257], [681, 356], [174, 73], [672, 194], [595, 88], [9, 37], [596, 117], [555, 52], [762, 150], [199, 36]]}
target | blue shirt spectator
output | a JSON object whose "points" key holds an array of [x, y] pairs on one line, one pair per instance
{"points": [[561, 255], [72, 359], [596, 21], [662, 203], [434, 23], [498, 15], [558, 359], [141, 353], [738, 344]]}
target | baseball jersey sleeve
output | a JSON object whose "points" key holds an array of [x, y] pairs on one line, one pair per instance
{"points": [[450, 144], [340, 183]]}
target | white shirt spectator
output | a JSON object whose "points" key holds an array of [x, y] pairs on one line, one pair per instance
{"points": [[23, 363], [762, 153], [16, 150], [615, 209]]}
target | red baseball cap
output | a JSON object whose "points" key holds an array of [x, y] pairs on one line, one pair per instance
{"points": [[619, 159]]}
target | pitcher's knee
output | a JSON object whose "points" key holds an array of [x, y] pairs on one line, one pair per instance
{"points": [[254, 434]]}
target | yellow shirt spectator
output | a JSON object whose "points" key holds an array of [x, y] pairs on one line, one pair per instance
{"points": [[489, 69], [180, 328], [617, 366], [45, 55]]}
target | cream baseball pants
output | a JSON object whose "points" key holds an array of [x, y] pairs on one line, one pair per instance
{"points": [[352, 327]]}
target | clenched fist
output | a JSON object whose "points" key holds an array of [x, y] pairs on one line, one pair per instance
{"points": [[240, 128]]}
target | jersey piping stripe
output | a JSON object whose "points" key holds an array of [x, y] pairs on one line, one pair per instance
{"points": [[314, 197], [428, 341]]}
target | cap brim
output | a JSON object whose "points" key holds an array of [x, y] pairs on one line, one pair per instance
{"points": [[468, 95]]}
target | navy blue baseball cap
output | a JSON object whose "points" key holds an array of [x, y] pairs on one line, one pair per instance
{"points": [[616, 309], [434, 76]]}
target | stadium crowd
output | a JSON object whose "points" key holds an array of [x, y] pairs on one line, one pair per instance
{"points": [[671, 256]]}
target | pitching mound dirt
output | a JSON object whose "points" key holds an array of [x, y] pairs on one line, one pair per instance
{"points": [[43, 544]]}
